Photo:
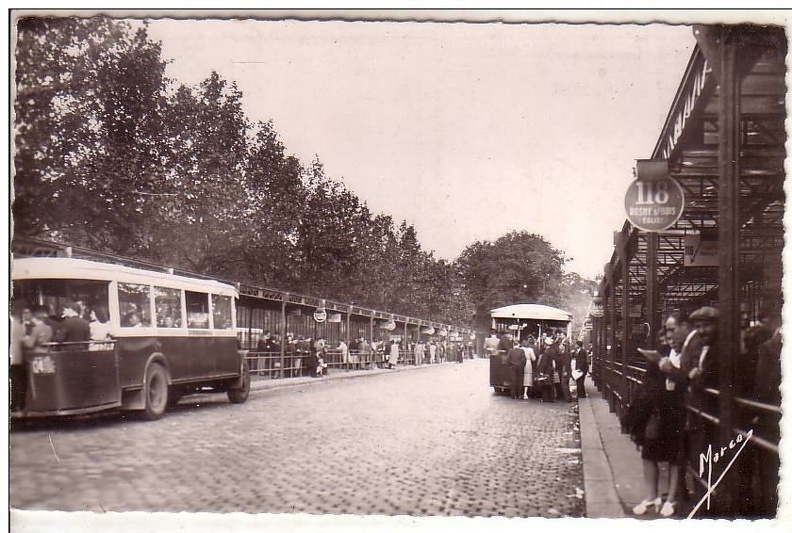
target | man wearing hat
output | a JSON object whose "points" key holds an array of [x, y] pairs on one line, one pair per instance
{"points": [[703, 365]]}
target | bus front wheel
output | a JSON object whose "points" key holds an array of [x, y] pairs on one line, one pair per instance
{"points": [[155, 392]]}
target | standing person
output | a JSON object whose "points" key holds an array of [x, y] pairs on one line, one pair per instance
{"points": [[289, 356], [432, 352], [515, 359], [505, 344], [314, 349], [303, 350], [545, 368], [274, 349], [581, 369], [354, 353], [530, 360], [73, 328], [491, 344], [365, 353], [393, 355], [344, 350], [42, 333], [418, 352], [17, 373], [563, 370], [659, 432]]}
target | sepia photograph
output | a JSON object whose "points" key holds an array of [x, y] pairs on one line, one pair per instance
{"points": [[395, 269]]}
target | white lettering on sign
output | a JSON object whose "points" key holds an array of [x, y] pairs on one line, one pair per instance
{"points": [[654, 205], [683, 114], [651, 192]]}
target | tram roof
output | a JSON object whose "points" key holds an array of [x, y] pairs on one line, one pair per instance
{"points": [[68, 268], [532, 311]]}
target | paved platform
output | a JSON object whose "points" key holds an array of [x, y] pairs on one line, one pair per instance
{"points": [[612, 467]]}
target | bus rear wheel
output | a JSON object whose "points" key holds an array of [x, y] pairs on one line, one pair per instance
{"points": [[155, 392], [241, 394]]}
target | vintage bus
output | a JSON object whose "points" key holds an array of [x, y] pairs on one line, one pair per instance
{"points": [[168, 336]]}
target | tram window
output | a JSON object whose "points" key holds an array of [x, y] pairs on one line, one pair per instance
{"points": [[221, 307], [167, 304], [197, 309], [134, 305]]}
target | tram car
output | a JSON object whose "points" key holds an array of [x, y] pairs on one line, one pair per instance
{"points": [[520, 321]]}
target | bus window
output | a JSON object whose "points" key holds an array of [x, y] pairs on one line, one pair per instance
{"points": [[167, 303], [134, 305], [54, 293], [197, 309], [221, 307]]}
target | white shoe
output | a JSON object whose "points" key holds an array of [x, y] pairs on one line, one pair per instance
{"points": [[668, 509], [644, 506]]}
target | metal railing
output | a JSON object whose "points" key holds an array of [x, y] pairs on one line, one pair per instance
{"points": [[753, 420], [271, 365]]}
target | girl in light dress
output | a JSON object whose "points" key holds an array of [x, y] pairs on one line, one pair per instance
{"points": [[528, 346]]}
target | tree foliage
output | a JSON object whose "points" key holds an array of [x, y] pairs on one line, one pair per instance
{"points": [[519, 267]]}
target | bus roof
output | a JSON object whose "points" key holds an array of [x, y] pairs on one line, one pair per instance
{"points": [[67, 268], [531, 311]]}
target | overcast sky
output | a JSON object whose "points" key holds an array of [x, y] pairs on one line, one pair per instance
{"points": [[466, 131]]}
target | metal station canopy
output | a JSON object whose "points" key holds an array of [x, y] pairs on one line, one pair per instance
{"points": [[750, 106], [531, 311]]}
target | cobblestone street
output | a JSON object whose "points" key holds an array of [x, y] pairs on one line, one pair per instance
{"points": [[425, 441]]}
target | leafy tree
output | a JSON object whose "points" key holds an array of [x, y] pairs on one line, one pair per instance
{"points": [[200, 221], [518, 267], [89, 96], [276, 195]]}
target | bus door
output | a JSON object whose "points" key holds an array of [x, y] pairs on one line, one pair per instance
{"points": [[72, 378]]}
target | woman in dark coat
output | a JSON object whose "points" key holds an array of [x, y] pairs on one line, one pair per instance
{"points": [[545, 368]]}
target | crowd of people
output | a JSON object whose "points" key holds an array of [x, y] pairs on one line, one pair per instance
{"points": [[542, 369], [678, 373], [305, 356]]}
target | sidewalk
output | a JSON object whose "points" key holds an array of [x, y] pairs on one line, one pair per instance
{"points": [[267, 383], [612, 467]]}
